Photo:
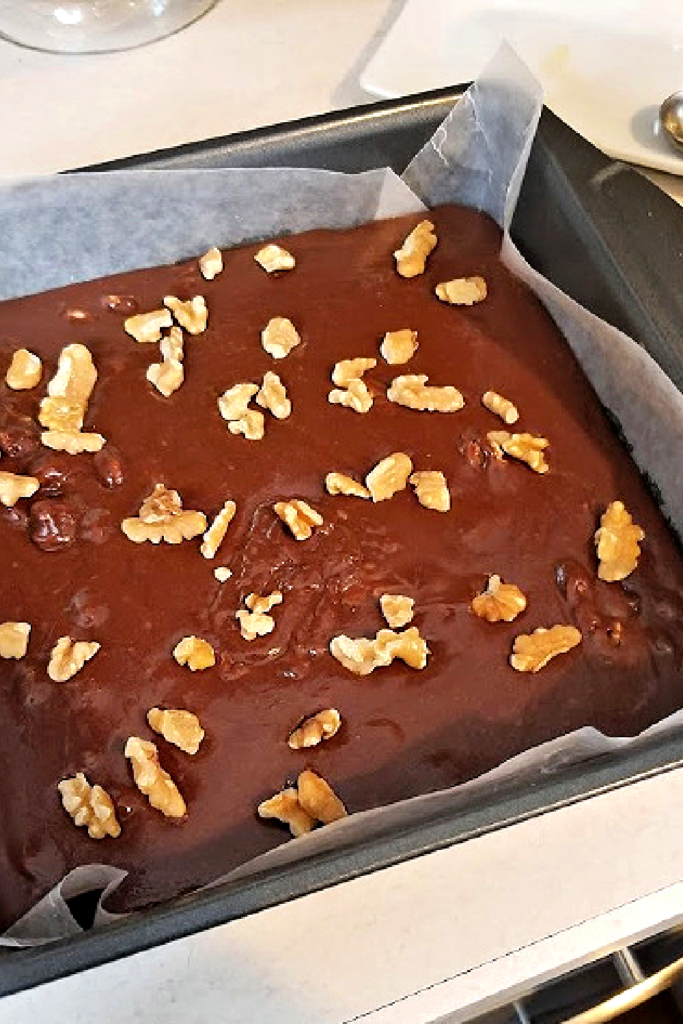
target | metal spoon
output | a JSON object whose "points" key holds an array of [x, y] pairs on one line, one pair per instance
{"points": [[671, 118]]}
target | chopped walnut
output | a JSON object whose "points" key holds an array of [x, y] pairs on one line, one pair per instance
{"points": [[260, 605], [192, 315], [351, 369], [273, 396], [500, 406], [530, 652], [617, 543], [222, 573], [413, 392], [151, 779], [146, 327], [252, 425], [318, 798], [285, 807], [431, 490], [68, 657], [462, 291], [14, 639], [298, 516], [355, 396], [253, 624], [500, 602], [213, 538], [279, 337], [389, 476], [362, 656], [411, 258], [397, 609], [90, 807], [63, 409], [274, 257], [524, 447], [211, 264], [312, 731], [234, 407], [194, 652], [179, 727], [24, 371], [339, 483], [162, 517], [168, 375], [13, 486], [398, 346]]}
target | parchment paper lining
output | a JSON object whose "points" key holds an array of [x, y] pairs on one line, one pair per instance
{"points": [[69, 228]]}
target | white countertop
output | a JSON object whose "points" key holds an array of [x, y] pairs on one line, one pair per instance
{"points": [[445, 932]]}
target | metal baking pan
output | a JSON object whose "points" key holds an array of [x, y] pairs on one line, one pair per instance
{"points": [[613, 241]]}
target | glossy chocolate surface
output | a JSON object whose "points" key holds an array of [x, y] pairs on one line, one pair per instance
{"points": [[67, 568]]}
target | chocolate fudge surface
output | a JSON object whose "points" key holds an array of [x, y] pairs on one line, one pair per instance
{"points": [[404, 731]]}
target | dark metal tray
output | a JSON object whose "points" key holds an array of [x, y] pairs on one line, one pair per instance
{"points": [[613, 241]]}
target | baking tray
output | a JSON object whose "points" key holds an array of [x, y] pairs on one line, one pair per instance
{"points": [[612, 240]]}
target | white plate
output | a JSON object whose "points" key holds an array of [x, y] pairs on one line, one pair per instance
{"points": [[605, 65]]}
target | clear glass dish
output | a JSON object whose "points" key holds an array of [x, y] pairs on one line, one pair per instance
{"points": [[95, 26]]}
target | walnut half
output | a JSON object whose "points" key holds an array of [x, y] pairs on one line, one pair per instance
{"points": [[500, 602], [339, 483], [162, 517], [13, 486], [617, 543], [500, 406], [285, 807], [397, 609], [298, 516], [525, 447], [398, 346], [194, 652], [151, 779], [68, 657], [312, 801], [192, 315], [211, 264], [462, 291], [431, 490], [214, 536], [90, 807], [363, 655], [532, 651], [389, 476], [25, 370], [177, 726], [413, 392], [411, 258], [273, 258]]}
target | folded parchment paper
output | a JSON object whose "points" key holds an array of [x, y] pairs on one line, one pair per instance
{"points": [[74, 227]]}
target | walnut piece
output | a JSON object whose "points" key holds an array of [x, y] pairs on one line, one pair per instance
{"points": [[524, 447], [279, 337], [222, 573], [162, 517], [274, 257], [500, 406], [233, 406], [339, 483], [68, 657], [63, 409], [13, 486], [273, 396], [413, 392], [500, 602], [252, 425], [168, 375], [298, 516], [194, 652], [256, 621], [397, 609], [617, 543], [398, 346], [362, 656], [462, 291], [14, 639], [146, 327], [389, 476], [192, 315], [318, 799], [90, 807], [431, 489], [25, 370], [411, 258], [351, 369], [214, 536], [211, 264], [285, 807], [151, 779], [531, 651], [356, 395], [179, 727], [313, 730]]}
